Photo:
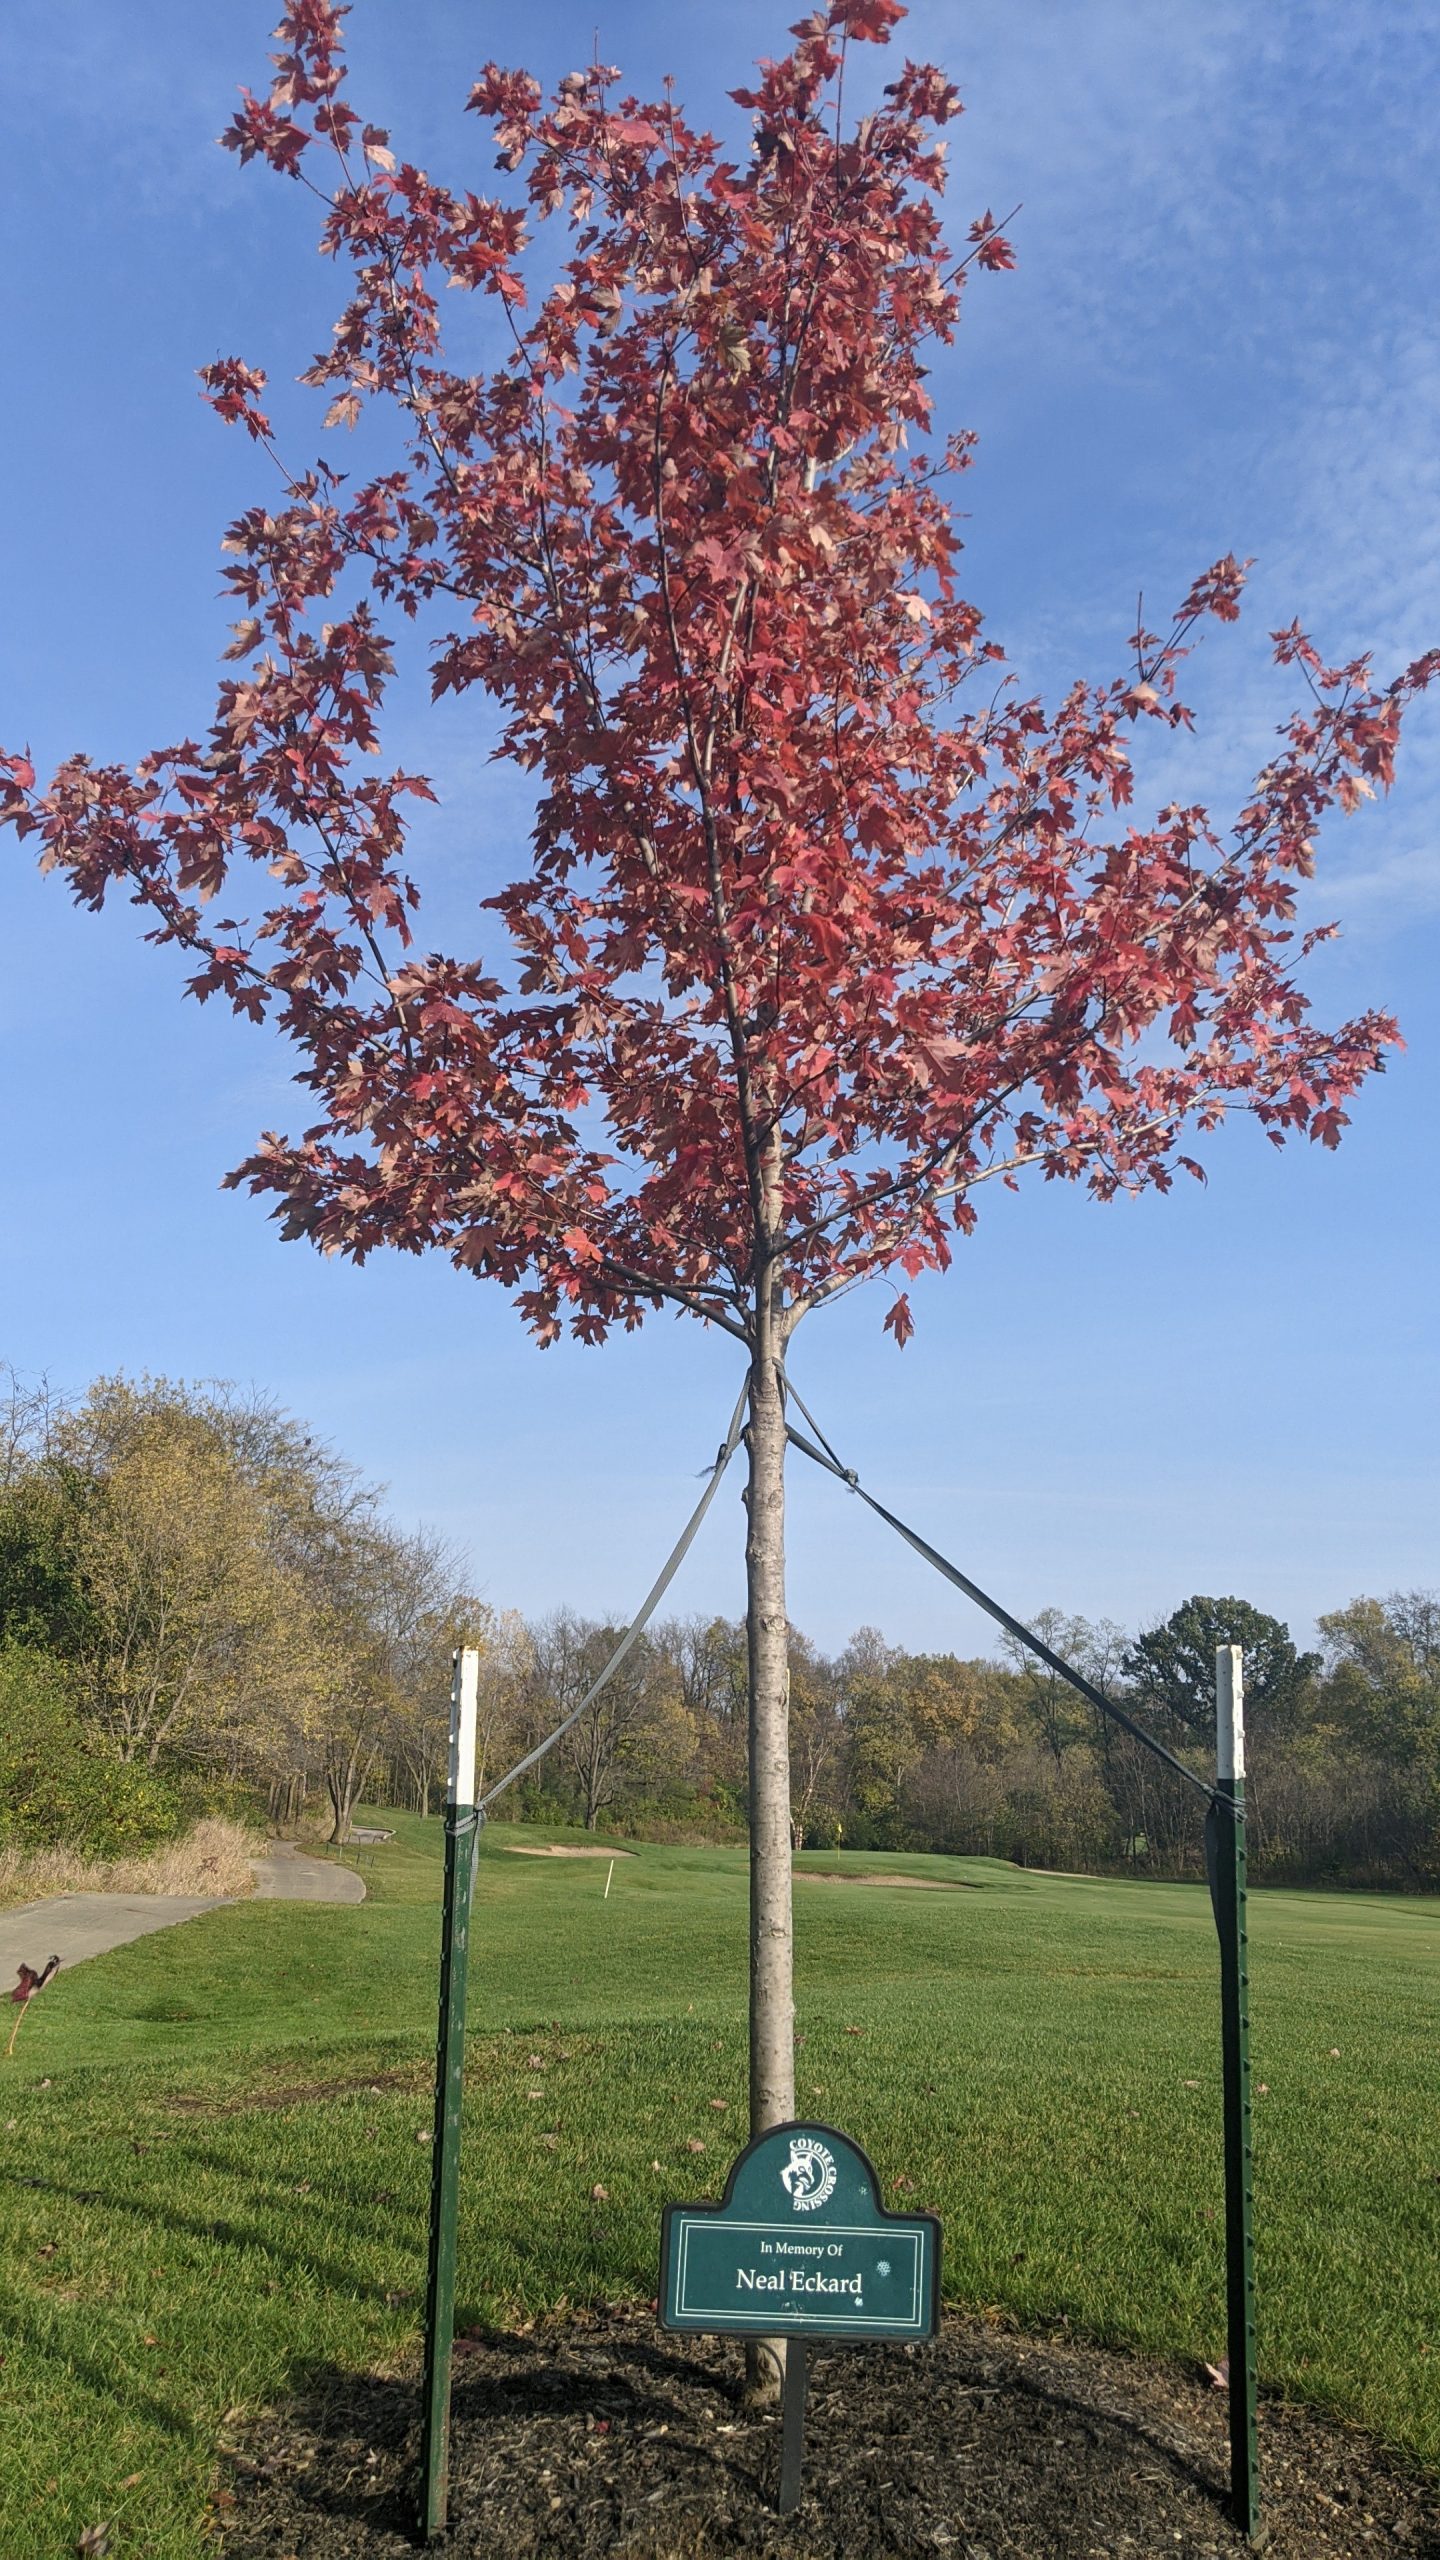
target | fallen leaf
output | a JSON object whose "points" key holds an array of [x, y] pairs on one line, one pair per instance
{"points": [[854, 2031], [1190, 2084], [423, 2133], [94, 2541], [1334, 2053], [903, 2181], [1220, 2373], [599, 2194], [133, 2481], [1262, 2088], [655, 2165], [720, 2105], [536, 2062], [47, 2249], [694, 2144]]}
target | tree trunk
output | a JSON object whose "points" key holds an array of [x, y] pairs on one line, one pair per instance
{"points": [[772, 1972], [344, 1781]]}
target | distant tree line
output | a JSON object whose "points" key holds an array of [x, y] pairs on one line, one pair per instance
{"points": [[201, 1602], [1001, 1758]]}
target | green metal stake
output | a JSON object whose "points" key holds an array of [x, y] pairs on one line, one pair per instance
{"points": [[794, 2391], [1227, 1885], [462, 1833]]}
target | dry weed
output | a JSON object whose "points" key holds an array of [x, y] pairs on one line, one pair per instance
{"points": [[212, 1858]]}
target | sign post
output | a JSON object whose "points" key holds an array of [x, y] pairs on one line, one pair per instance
{"points": [[794, 2393], [462, 1831], [800, 2247], [1225, 1840]]}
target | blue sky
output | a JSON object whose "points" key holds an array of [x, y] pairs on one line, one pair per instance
{"points": [[1221, 335]]}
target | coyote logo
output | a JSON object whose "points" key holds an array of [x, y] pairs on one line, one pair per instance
{"points": [[808, 2176]]}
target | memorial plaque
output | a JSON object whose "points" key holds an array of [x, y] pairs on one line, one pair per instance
{"points": [[800, 2246]]}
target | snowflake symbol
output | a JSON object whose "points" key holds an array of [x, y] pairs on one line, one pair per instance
{"points": [[882, 2266]]}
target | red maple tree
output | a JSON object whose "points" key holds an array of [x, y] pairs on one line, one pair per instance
{"points": [[825, 922]]}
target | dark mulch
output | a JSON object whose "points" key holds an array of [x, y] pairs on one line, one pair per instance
{"points": [[604, 2437]]}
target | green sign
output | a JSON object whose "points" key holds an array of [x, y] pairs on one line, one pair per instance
{"points": [[800, 2247]]}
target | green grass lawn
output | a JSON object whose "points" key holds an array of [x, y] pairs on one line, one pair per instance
{"points": [[213, 2183]]}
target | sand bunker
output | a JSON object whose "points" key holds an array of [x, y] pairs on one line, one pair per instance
{"points": [[556, 1850], [924, 1884]]}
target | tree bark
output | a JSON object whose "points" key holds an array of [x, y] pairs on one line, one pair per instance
{"points": [[344, 1781], [772, 1991]]}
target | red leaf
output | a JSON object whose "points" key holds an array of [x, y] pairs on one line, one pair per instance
{"points": [[900, 1321], [868, 21]]}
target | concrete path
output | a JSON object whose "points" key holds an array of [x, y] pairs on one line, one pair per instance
{"points": [[73, 1926], [285, 1874]]}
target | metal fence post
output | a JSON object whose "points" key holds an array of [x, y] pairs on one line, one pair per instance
{"points": [[462, 1828], [1227, 1884]]}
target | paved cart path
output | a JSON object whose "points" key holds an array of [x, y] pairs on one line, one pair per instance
{"points": [[73, 1926], [285, 1874]]}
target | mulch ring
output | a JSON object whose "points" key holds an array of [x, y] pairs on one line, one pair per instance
{"points": [[604, 2436]]}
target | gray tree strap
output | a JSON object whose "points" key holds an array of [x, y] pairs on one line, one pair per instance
{"points": [[824, 1456], [648, 1607]]}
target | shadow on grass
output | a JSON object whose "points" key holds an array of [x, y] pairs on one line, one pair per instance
{"points": [[111, 2383], [225, 2229]]}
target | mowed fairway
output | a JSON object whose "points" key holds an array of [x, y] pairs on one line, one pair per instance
{"points": [[213, 2187]]}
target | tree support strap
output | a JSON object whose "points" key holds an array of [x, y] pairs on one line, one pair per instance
{"points": [[824, 1456], [647, 1609]]}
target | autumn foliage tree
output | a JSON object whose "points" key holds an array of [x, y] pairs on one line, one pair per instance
{"points": [[825, 923]]}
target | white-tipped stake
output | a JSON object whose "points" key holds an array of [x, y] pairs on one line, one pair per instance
{"points": [[464, 1711], [461, 1835], [605, 1896], [1229, 1711]]}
